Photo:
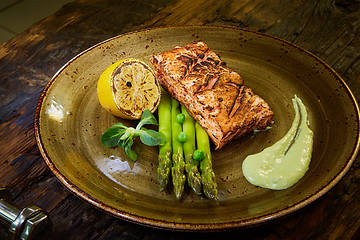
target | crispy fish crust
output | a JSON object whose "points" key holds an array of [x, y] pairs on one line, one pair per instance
{"points": [[214, 94]]}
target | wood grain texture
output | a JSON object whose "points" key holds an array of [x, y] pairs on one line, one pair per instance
{"points": [[330, 29]]}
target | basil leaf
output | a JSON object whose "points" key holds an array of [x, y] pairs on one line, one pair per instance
{"points": [[129, 152], [112, 136], [121, 135], [146, 118], [119, 125], [129, 133], [122, 143], [151, 137]]}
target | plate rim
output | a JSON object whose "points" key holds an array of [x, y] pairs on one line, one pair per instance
{"points": [[183, 226]]}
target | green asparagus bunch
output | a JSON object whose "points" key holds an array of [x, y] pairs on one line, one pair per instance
{"points": [[191, 166], [207, 173], [165, 150], [177, 170], [179, 153]]}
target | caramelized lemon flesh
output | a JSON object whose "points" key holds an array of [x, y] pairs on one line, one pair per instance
{"points": [[127, 88]]}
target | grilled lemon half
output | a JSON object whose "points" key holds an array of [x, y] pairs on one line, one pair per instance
{"points": [[127, 88]]}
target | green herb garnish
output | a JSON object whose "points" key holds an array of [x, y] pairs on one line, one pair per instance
{"points": [[121, 135]]}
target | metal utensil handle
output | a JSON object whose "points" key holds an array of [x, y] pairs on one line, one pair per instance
{"points": [[23, 224], [8, 212]]}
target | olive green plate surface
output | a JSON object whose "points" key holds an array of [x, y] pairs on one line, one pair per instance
{"points": [[69, 122]]}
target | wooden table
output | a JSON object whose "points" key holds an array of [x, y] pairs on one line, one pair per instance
{"points": [[329, 29]]}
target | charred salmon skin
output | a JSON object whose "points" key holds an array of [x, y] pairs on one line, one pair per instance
{"points": [[214, 94]]}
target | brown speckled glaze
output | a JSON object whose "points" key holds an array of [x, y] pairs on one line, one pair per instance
{"points": [[69, 122]]}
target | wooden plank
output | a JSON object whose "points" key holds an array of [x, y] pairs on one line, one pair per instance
{"points": [[327, 28]]}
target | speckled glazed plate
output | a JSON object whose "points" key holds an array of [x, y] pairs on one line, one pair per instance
{"points": [[69, 122]]}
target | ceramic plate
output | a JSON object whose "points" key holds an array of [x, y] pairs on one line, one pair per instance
{"points": [[69, 122]]}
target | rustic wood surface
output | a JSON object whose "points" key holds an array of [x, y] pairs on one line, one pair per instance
{"points": [[328, 28]]}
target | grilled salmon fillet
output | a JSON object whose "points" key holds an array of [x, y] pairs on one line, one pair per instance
{"points": [[214, 94]]}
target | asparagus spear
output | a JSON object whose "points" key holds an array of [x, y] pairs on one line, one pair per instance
{"points": [[164, 113], [207, 173], [177, 171], [191, 166]]}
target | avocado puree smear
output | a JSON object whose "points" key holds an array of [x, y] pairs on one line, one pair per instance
{"points": [[283, 164]]}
